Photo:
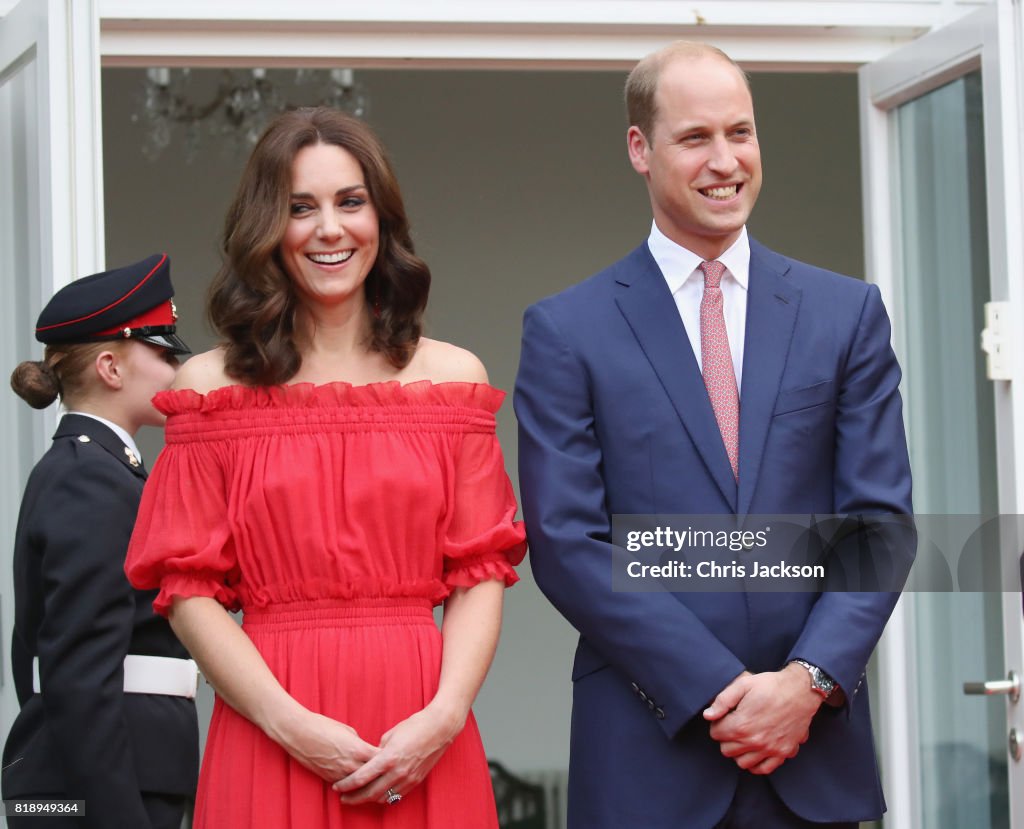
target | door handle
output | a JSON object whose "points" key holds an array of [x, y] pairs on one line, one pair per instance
{"points": [[1009, 686]]}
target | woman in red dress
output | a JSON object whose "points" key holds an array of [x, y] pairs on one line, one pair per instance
{"points": [[333, 474]]}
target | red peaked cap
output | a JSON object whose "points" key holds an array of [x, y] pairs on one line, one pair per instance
{"points": [[133, 302]]}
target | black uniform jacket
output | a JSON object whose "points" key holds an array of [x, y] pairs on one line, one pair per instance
{"points": [[83, 737]]}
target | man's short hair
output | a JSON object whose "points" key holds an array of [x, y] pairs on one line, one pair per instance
{"points": [[642, 83]]}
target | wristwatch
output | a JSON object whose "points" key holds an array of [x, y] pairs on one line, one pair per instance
{"points": [[821, 682]]}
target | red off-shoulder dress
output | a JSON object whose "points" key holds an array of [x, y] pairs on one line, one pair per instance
{"points": [[334, 517]]}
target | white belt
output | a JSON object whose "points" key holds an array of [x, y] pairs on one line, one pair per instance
{"points": [[150, 675]]}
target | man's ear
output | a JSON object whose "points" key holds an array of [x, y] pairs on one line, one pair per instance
{"points": [[638, 149], [109, 369]]}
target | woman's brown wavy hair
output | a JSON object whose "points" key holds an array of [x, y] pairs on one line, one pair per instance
{"points": [[252, 302]]}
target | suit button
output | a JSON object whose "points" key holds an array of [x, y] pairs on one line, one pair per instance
{"points": [[643, 696], [659, 713], [635, 687], [748, 545], [650, 704]]}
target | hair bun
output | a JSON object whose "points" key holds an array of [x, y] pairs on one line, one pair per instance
{"points": [[36, 382]]}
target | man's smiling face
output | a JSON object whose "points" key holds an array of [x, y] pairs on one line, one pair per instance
{"points": [[702, 163]]}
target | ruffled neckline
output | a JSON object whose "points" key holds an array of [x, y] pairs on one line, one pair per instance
{"points": [[331, 395]]}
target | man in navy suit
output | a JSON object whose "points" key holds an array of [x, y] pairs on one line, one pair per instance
{"points": [[705, 374]]}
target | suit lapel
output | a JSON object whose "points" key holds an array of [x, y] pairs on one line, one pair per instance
{"points": [[772, 306], [651, 312], [72, 425]]}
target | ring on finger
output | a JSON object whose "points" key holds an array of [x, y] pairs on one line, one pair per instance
{"points": [[392, 796]]}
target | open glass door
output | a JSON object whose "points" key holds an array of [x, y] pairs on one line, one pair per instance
{"points": [[51, 221], [943, 218]]}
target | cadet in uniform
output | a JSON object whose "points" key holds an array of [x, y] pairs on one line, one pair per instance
{"points": [[106, 690]]}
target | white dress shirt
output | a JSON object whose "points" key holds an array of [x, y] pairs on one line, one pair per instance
{"points": [[126, 439], [681, 269]]}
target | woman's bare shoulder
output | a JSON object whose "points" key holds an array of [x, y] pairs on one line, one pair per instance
{"points": [[443, 362], [204, 372]]}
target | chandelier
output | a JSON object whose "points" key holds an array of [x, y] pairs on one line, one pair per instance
{"points": [[232, 106]]}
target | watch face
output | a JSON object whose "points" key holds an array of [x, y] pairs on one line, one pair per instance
{"points": [[823, 681]]}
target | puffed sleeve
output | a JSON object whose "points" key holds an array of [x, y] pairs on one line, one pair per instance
{"points": [[182, 543], [483, 541]]}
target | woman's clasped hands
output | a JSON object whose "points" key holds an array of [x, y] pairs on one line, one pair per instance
{"points": [[328, 748], [406, 754], [365, 773]]}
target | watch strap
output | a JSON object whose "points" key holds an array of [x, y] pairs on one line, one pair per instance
{"points": [[821, 682]]}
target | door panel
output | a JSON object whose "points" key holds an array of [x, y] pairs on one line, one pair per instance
{"points": [[50, 222], [939, 214]]}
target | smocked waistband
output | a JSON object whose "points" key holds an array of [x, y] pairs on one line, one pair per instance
{"points": [[340, 613]]}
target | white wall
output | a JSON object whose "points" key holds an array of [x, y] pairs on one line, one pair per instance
{"points": [[517, 184]]}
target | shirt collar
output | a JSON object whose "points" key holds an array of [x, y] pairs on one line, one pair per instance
{"points": [[679, 264], [126, 439]]}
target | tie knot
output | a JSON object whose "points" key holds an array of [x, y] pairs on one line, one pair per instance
{"points": [[712, 273]]}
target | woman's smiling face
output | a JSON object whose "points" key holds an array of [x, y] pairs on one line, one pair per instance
{"points": [[333, 233]]}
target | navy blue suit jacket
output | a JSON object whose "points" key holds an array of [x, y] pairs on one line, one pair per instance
{"points": [[614, 418]]}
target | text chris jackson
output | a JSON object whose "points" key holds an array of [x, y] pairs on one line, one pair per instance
{"points": [[733, 570]]}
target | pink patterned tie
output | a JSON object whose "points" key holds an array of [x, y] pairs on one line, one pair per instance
{"points": [[716, 363]]}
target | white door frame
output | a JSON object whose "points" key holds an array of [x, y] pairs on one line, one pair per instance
{"points": [[798, 35], [61, 37], [991, 40], [52, 135]]}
